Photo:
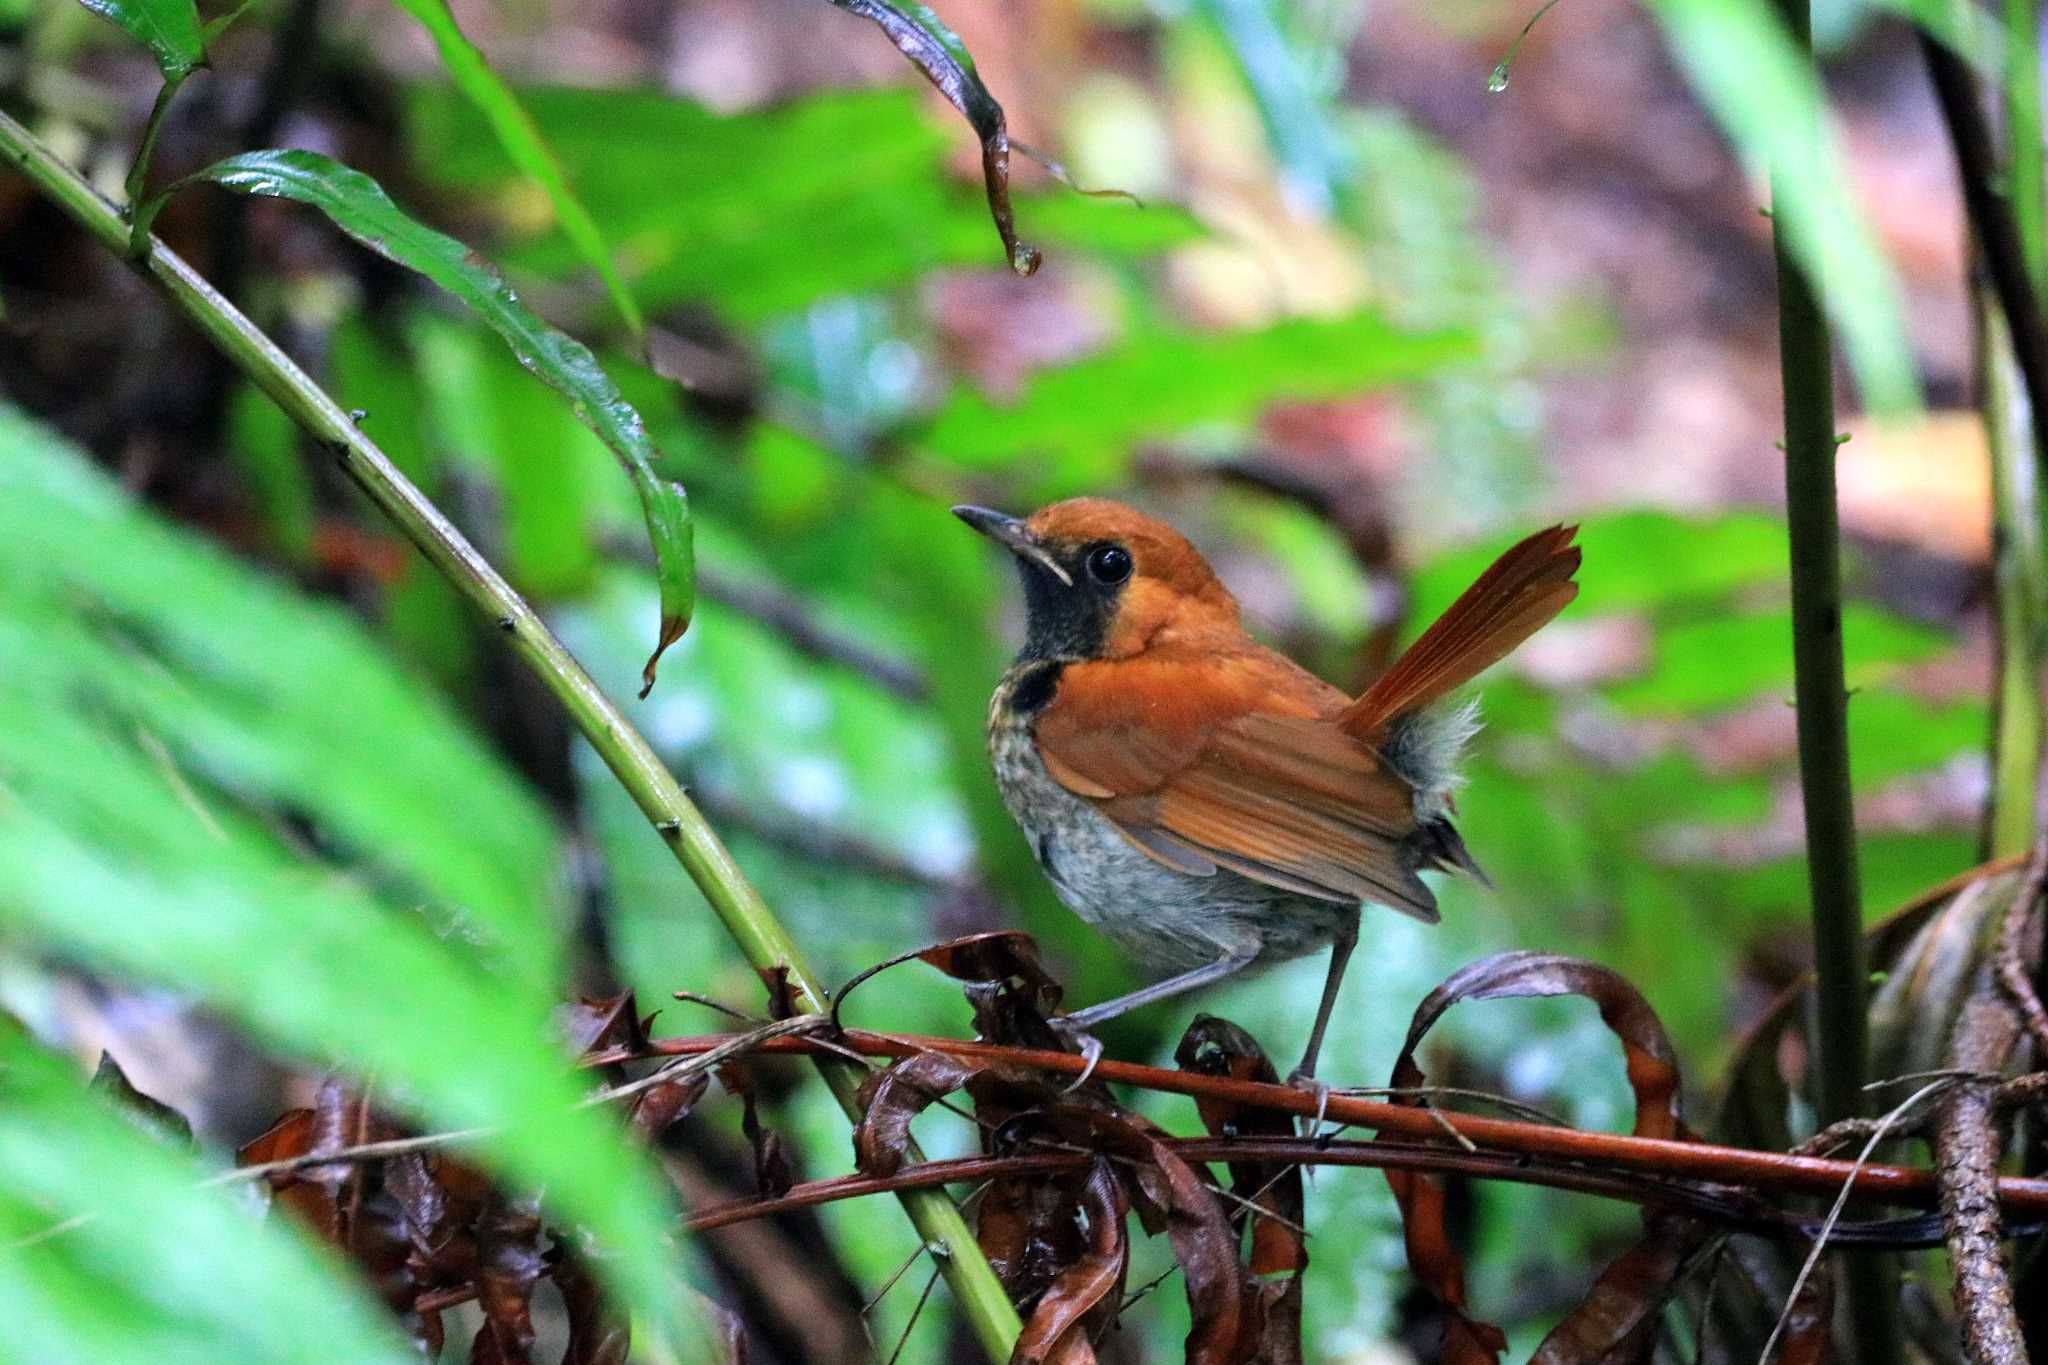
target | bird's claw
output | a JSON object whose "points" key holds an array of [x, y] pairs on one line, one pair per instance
{"points": [[1088, 1043], [1305, 1080]]}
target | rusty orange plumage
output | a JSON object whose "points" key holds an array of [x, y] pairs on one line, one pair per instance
{"points": [[1203, 800]]}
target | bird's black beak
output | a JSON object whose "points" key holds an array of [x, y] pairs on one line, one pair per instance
{"points": [[1011, 533]]}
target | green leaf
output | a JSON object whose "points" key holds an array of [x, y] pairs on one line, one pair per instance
{"points": [[168, 28], [242, 685], [1641, 559], [1724, 660], [1738, 56], [149, 1264], [359, 206], [935, 50], [1081, 418], [160, 820], [763, 212], [521, 138]]}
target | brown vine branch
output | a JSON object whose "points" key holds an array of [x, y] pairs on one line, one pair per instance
{"points": [[2020, 1196], [1967, 1143], [1730, 1208]]}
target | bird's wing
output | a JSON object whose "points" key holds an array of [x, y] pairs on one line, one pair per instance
{"points": [[1229, 762]]}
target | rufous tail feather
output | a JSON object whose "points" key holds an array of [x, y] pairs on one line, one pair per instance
{"points": [[1512, 600]]}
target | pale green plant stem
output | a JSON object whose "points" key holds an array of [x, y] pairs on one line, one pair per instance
{"points": [[675, 817], [2016, 454]]}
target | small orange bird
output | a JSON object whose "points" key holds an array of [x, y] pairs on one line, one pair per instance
{"points": [[1204, 801]]}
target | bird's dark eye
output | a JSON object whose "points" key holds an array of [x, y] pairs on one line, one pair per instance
{"points": [[1109, 563]]}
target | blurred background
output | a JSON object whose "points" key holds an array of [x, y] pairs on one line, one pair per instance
{"points": [[1368, 310]]}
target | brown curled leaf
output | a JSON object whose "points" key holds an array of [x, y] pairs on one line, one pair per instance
{"points": [[290, 1136], [1810, 1326], [603, 1023], [773, 1174], [881, 1140], [314, 1194], [1029, 1228], [1223, 1303], [1652, 1064], [597, 1334], [1616, 1323], [938, 52], [1217, 1047], [1082, 1300], [1439, 1268], [1007, 955], [657, 1107], [509, 1265], [1653, 1076]]}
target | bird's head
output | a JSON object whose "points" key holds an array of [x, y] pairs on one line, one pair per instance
{"points": [[1102, 580]]}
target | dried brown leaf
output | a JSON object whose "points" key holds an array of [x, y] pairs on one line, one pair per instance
{"points": [[782, 1002], [1652, 1064], [1217, 1047], [1223, 1302], [1616, 1323], [773, 1173], [1082, 1300], [657, 1107], [509, 1264], [882, 1138], [601, 1023], [597, 1335]]}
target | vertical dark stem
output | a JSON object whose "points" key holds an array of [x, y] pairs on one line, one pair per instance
{"points": [[1993, 228], [1807, 365]]}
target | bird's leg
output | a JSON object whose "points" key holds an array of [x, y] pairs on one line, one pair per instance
{"points": [[1340, 955], [1074, 1027], [1304, 1076]]}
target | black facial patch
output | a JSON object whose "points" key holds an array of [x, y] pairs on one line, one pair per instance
{"points": [[1067, 621], [1034, 689]]}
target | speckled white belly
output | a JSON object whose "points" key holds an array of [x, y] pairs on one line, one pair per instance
{"points": [[1167, 921]]}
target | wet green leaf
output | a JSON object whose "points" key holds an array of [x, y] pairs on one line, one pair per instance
{"points": [[359, 206], [765, 211], [1078, 421], [1739, 57], [1723, 660], [935, 50], [168, 28], [115, 1250], [229, 791], [524, 143]]}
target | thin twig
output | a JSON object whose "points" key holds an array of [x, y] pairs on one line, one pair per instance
{"points": [[738, 1043], [1834, 1217]]}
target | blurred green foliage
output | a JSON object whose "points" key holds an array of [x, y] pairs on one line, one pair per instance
{"points": [[234, 787]]}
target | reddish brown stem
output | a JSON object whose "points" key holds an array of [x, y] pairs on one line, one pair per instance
{"points": [[2021, 1196], [1732, 1209]]}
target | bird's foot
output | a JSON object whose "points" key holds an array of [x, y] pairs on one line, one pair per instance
{"points": [[1305, 1080], [1087, 1043]]}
